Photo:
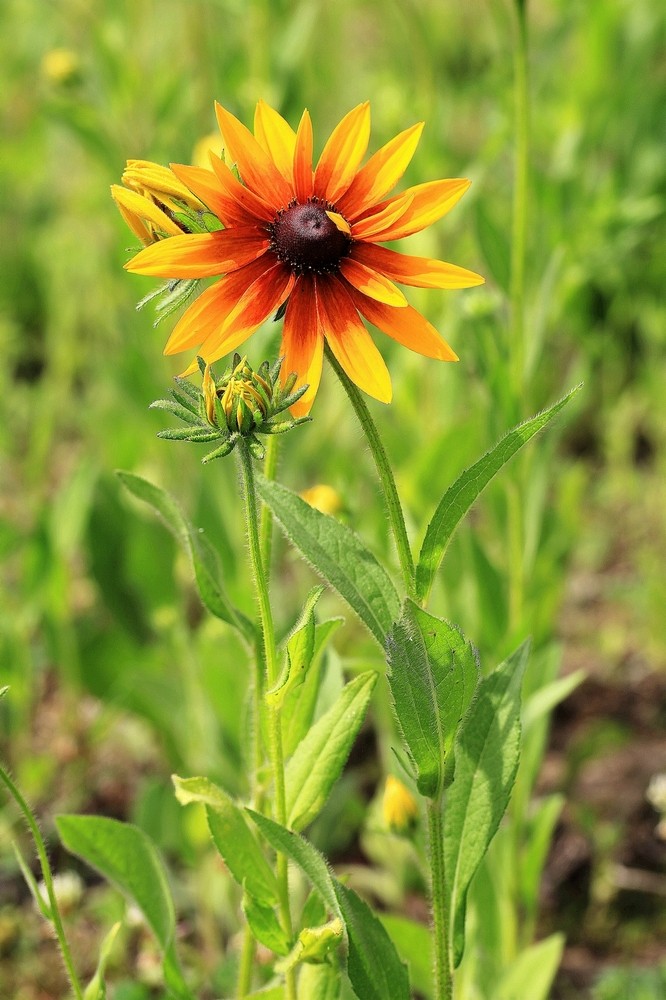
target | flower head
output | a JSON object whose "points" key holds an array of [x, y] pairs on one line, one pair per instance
{"points": [[241, 403], [151, 199], [399, 806], [306, 240]]}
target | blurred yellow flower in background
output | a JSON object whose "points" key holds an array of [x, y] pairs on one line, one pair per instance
{"points": [[399, 807], [323, 498]]}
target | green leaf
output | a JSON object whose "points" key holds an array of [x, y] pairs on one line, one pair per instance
{"points": [[203, 556], [301, 851], [96, 988], [265, 925], [433, 674], [299, 653], [413, 942], [338, 555], [313, 945], [299, 705], [321, 755], [487, 753], [128, 859], [40, 899], [468, 486], [232, 836], [533, 972], [494, 246], [373, 965]]}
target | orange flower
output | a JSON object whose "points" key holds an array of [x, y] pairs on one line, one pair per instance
{"points": [[309, 238]]}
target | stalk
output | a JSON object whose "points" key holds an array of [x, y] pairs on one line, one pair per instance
{"points": [[443, 985], [48, 882], [270, 656], [386, 478]]}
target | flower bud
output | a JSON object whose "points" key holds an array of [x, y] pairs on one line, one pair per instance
{"points": [[399, 806]]}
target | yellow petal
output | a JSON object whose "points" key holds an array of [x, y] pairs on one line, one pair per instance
{"points": [[276, 137], [303, 175], [339, 222], [423, 272], [381, 173], [254, 164], [135, 207], [194, 255], [342, 154], [430, 202]]}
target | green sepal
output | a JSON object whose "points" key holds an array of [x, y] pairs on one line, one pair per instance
{"points": [[96, 988]]}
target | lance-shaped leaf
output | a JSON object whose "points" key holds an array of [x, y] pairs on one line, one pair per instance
{"points": [[265, 926], [487, 753], [462, 494], [299, 705], [127, 858], [338, 555], [203, 556], [232, 836], [299, 652], [322, 753], [433, 674], [373, 964]]}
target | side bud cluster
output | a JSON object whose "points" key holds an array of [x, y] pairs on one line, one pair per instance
{"points": [[241, 403]]}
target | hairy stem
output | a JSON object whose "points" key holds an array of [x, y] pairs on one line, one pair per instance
{"points": [[443, 986]]}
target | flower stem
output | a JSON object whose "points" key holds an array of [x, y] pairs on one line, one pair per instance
{"points": [[443, 977], [270, 657], [391, 498], [517, 303], [48, 882]]}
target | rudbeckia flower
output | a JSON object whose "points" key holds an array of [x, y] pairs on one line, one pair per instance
{"points": [[308, 238]]}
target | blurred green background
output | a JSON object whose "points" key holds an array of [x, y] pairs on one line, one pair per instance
{"points": [[101, 633]]}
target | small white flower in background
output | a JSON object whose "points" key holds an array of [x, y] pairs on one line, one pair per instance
{"points": [[68, 889], [656, 796]]}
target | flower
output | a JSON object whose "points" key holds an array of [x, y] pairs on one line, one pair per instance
{"points": [[399, 806], [150, 200], [241, 403], [323, 497], [307, 241]]}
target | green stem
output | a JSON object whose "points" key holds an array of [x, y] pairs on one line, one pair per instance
{"points": [[391, 498], [270, 657], [517, 303], [443, 976], [246, 963], [266, 522], [48, 882]]}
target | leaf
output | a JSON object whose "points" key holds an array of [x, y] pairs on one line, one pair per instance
{"points": [[433, 674], [300, 649], [532, 973], [265, 926], [413, 942], [40, 899], [96, 988], [487, 753], [299, 706], [468, 486], [322, 753], [232, 836], [203, 556], [494, 246], [128, 859], [338, 555], [373, 965], [301, 851]]}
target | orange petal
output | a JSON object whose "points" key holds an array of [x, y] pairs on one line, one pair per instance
{"points": [[303, 176], [371, 282], [349, 340], [210, 309], [386, 215], [262, 297], [255, 165], [276, 137], [381, 173], [430, 202], [342, 154], [302, 343], [422, 272], [200, 255], [407, 326], [243, 202], [204, 184]]}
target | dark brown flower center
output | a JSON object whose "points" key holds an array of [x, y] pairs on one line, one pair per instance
{"points": [[304, 237]]}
